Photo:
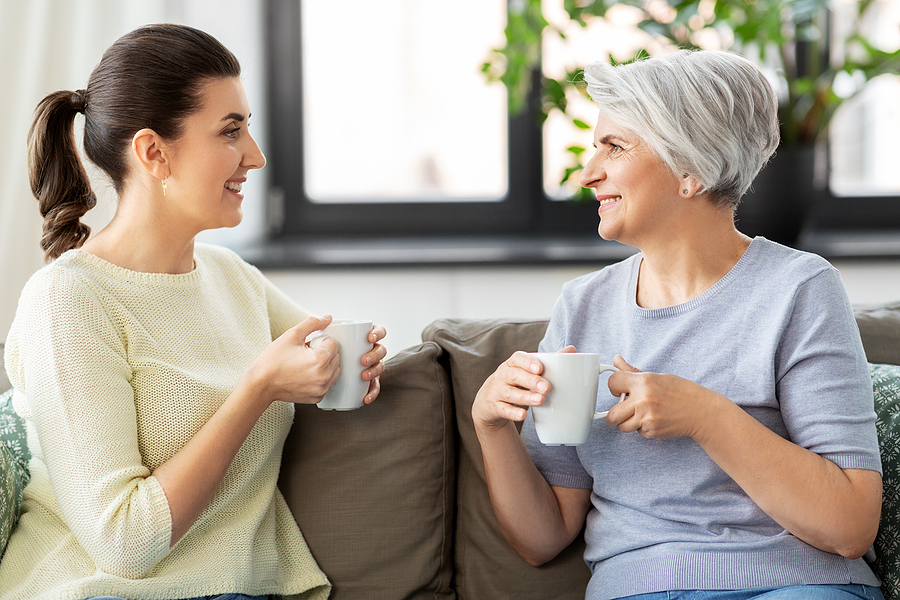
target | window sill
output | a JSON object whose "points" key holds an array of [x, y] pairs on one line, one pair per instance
{"points": [[432, 251], [334, 252]]}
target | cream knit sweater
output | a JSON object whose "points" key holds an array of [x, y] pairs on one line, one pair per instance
{"points": [[114, 372]]}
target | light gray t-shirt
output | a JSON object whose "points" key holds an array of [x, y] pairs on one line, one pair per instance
{"points": [[777, 336]]}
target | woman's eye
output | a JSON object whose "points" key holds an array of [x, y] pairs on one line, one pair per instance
{"points": [[232, 133]]}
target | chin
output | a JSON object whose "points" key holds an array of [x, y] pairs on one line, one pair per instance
{"points": [[234, 220], [605, 235]]}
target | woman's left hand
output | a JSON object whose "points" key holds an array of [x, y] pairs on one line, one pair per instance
{"points": [[785, 480], [373, 360], [658, 405]]}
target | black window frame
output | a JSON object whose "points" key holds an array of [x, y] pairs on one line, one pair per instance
{"points": [[524, 210]]}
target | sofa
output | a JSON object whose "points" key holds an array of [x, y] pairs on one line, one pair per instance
{"points": [[392, 498]]}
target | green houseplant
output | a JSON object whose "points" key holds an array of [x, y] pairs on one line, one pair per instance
{"points": [[818, 59]]}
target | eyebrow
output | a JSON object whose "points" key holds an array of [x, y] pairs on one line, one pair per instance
{"points": [[610, 136], [234, 117]]}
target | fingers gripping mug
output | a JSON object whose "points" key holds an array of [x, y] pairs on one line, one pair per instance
{"points": [[566, 415], [352, 337]]}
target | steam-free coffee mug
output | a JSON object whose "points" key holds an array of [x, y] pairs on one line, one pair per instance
{"points": [[567, 412], [352, 337]]}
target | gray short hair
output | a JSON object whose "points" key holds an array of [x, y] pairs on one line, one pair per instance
{"points": [[709, 114]]}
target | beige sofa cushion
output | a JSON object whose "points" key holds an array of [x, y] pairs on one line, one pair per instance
{"points": [[373, 489], [879, 327], [487, 567]]}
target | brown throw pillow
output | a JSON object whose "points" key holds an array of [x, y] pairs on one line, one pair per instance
{"points": [[373, 489], [487, 567]]}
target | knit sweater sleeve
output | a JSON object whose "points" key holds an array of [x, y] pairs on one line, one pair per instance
{"points": [[70, 363], [284, 313]]}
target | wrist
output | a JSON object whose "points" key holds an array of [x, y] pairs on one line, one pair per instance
{"points": [[255, 385], [711, 419]]}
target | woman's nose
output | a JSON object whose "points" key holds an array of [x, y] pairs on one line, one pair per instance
{"points": [[253, 157], [592, 172]]}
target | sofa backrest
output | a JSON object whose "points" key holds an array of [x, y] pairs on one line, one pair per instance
{"points": [[879, 328]]}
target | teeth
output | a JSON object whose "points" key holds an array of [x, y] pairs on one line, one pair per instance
{"points": [[234, 186], [608, 200]]}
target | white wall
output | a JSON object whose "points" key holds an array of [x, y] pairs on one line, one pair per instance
{"points": [[49, 45], [406, 300]]}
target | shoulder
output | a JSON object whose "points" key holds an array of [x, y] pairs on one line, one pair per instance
{"points": [[66, 279], [773, 258], [608, 280], [219, 255], [224, 262]]}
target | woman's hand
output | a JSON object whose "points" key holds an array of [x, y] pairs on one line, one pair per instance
{"points": [[659, 405], [786, 481], [374, 358], [290, 371], [510, 390]]}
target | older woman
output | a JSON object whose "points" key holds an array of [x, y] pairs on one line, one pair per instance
{"points": [[743, 462]]}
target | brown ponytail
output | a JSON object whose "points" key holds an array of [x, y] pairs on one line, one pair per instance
{"points": [[57, 175], [150, 78]]}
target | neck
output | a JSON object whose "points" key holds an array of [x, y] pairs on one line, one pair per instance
{"points": [[687, 261], [144, 241]]}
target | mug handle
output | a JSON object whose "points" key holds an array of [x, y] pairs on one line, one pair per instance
{"points": [[316, 341], [603, 369]]}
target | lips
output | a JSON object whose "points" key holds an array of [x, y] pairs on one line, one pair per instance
{"points": [[609, 200], [234, 186]]}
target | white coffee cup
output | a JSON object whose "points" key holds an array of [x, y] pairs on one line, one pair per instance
{"points": [[567, 412], [352, 338]]}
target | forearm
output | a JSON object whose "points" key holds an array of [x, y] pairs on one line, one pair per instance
{"points": [[530, 514], [830, 508], [191, 477]]}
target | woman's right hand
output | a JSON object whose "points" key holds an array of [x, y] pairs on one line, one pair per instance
{"points": [[290, 371], [509, 391]]}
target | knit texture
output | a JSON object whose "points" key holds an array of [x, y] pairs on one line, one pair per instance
{"points": [[114, 372], [776, 336]]}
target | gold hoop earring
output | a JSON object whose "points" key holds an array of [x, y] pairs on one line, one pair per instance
{"points": [[164, 186]]}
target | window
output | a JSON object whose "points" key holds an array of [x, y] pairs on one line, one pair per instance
{"points": [[383, 127], [382, 123]]}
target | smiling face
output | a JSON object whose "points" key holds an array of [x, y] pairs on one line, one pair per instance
{"points": [[210, 161], [638, 193]]}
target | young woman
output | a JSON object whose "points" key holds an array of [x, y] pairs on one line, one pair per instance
{"points": [[744, 461], [156, 374]]}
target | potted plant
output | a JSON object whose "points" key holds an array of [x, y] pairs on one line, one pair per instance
{"points": [[815, 50]]}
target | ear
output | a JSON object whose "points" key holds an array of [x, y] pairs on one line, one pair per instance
{"points": [[152, 153], [688, 186]]}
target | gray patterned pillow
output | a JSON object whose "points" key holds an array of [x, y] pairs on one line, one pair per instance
{"points": [[886, 383], [13, 437], [9, 508]]}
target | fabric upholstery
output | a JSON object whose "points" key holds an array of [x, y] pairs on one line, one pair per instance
{"points": [[886, 384], [487, 567], [14, 437], [373, 489], [879, 327], [9, 509], [14, 457]]}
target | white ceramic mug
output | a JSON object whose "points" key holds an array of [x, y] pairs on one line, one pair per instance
{"points": [[566, 415], [352, 338]]}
